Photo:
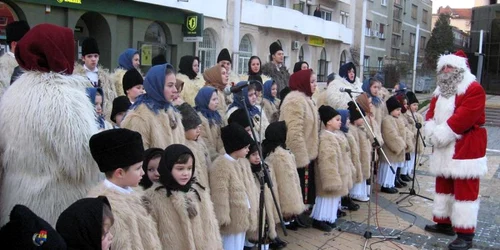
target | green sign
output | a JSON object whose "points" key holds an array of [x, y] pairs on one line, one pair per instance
{"points": [[193, 28]]}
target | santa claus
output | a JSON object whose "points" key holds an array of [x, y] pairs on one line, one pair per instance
{"points": [[454, 126]]}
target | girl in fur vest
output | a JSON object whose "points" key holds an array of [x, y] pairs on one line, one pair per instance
{"points": [[259, 118], [394, 135], [128, 59], [282, 163], [181, 206], [357, 128], [403, 168], [218, 78], [86, 224], [332, 172], [231, 199], [372, 88], [153, 114], [150, 164], [270, 102], [192, 130], [207, 102], [351, 158], [193, 81], [301, 116], [411, 117], [96, 98]]}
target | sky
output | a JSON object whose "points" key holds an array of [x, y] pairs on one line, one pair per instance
{"points": [[452, 3]]}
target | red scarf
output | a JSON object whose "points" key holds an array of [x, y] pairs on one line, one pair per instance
{"points": [[46, 48], [301, 81]]}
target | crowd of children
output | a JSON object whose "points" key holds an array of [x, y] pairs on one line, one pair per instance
{"points": [[182, 166]]}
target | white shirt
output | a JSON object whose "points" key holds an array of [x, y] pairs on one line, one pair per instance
{"points": [[111, 185], [92, 75], [229, 157]]}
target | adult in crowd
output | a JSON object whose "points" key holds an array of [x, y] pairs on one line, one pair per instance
{"points": [[276, 69], [454, 126], [217, 77], [193, 81], [13, 33], [346, 79], [224, 60], [300, 65], [46, 121]]}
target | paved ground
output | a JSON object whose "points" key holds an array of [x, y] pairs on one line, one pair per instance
{"points": [[408, 219]]}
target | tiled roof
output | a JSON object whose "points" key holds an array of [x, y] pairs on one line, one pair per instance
{"points": [[455, 12]]}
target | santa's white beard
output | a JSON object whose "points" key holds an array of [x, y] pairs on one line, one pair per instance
{"points": [[448, 82]]}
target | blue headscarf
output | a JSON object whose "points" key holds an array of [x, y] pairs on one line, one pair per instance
{"points": [[125, 59], [344, 114], [402, 88], [154, 83], [345, 68], [366, 88], [252, 109], [267, 90], [202, 100], [91, 93]]}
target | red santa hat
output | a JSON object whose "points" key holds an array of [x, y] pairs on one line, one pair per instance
{"points": [[457, 60]]}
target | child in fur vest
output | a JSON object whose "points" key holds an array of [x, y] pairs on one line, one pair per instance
{"points": [[150, 165], [119, 154], [270, 102], [359, 191], [413, 116], [181, 206], [232, 200], [403, 168], [333, 173], [350, 158], [96, 98], [394, 146], [282, 162]]}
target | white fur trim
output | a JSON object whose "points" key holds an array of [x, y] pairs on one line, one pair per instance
{"points": [[429, 127], [442, 205], [443, 135], [464, 214], [442, 164], [452, 60], [445, 107]]}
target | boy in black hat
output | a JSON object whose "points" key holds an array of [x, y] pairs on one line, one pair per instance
{"points": [[120, 106], [275, 69], [13, 32], [235, 201], [133, 84], [119, 154], [411, 117], [97, 76]]}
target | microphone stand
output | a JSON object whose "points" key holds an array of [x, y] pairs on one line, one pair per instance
{"points": [[375, 145], [264, 178], [412, 189]]}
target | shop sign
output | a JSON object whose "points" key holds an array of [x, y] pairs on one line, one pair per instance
{"points": [[316, 41], [193, 28], [146, 55], [70, 1]]}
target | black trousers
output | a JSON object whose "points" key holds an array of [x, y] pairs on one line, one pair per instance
{"points": [[307, 183]]}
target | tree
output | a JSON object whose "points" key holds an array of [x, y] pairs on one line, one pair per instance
{"points": [[441, 41]]}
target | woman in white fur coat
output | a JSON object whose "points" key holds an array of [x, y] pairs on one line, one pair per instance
{"points": [[46, 121], [346, 79], [193, 81]]}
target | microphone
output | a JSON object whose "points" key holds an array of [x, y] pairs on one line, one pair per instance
{"points": [[346, 90], [227, 90]]}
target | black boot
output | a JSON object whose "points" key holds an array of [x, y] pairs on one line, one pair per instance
{"points": [[347, 202], [341, 213], [440, 228], [397, 181], [389, 190], [322, 225], [405, 178], [303, 220], [462, 242], [277, 243], [292, 226]]}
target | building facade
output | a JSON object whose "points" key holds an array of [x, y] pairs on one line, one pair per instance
{"points": [[390, 32], [156, 27]]}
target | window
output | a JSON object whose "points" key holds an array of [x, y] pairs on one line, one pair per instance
{"points": [[396, 27], [280, 3], [396, 13], [327, 15], [245, 54], [323, 67], [155, 43], [207, 51], [384, 2], [422, 42], [343, 58], [425, 15], [394, 52], [344, 16], [396, 40], [380, 63], [381, 29], [368, 28], [412, 39], [366, 63], [414, 10]]}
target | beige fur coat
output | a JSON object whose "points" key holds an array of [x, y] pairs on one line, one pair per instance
{"points": [[177, 229], [134, 228], [271, 109], [252, 190], [301, 117], [365, 148], [212, 138], [332, 174], [413, 129], [354, 149], [394, 134], [229, 196], [7, 65], [289, 194], [191, 87], [117, 78], [157, 130], [202, 160]]}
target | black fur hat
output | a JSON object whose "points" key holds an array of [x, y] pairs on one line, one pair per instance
{"points": [[89, 46], [224, 55], [120, 104], [354, 112], [16, 30], [190, 118], [275, 47], [239, 116], [392, 103], [326, 113], [412, 98], [131, 78], [235, 137]]}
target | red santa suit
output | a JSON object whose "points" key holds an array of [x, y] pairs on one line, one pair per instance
{"points": [[454, 126]]}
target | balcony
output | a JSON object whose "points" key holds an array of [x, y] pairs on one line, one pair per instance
{"points": [[289, 19], [213, 8]]}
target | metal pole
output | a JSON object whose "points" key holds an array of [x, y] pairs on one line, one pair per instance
{"points": [[362, 46], [480, 61], [417, 36], [236, 34]]}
